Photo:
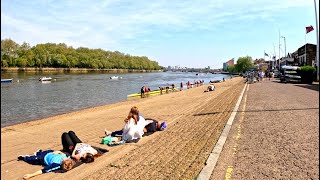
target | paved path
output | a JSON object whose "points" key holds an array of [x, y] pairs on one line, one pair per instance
{"points": [[275, 134]]}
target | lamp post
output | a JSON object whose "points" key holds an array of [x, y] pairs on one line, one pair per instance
{"points": [[285, 53]]}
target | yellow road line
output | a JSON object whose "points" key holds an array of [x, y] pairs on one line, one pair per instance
{"points": [[229, 169]]}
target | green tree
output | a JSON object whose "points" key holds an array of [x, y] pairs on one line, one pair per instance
{"points": [[60, 55], [22, 61], [243, 63], [231, 69]]}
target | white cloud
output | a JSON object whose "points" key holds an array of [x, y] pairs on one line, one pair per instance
{"points": [[114, 24]]}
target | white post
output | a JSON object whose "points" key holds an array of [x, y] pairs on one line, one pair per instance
{"points": [[279, 50], [274, 52], [285, 51], [317, 54], [264, 55]]}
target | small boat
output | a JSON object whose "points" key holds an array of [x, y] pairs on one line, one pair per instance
{"points": [[6, 80], [45, 79], [215, 81], [115, 77]]}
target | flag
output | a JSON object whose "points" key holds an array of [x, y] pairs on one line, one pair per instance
{"points": [[266, 54], [309, 29]]}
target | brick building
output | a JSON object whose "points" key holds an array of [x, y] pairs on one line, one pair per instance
{"points": [[306, 59]]}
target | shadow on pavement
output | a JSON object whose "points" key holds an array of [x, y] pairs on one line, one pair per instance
{"points": [[294, 109], [310, 86]]}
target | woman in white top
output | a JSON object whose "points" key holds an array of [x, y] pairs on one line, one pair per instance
{"points": [[84, 152], [133, 128], [78, 150]]}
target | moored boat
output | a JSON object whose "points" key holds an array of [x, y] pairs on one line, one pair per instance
{"points": [[115, 77], [6, 80], [45, 79], [215, 81]]}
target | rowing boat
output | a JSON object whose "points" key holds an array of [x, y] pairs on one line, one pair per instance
{"points": [[45, 79], [6, 80], [115, 77], [155, 92]]}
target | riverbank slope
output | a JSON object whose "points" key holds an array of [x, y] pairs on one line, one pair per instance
{"points": [[195, 121]]}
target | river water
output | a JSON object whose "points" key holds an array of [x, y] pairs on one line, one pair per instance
{"points": [[28, 99]]}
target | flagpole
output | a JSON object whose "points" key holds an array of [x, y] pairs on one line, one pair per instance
{"points": [[264, 55], [279, 50], [274, 53], [317, 54], [305, 48]]}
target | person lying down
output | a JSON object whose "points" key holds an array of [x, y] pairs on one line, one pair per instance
{"points": [[152, 126]]}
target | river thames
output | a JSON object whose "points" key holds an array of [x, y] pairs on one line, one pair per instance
{"points": [[28, 99]]}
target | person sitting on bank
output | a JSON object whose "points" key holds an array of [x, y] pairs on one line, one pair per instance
{"points": [[210, 88], [133, 128], [52, 160], [78, 150]]}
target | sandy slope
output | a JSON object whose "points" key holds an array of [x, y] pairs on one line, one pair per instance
{"points": [[195, 120]]}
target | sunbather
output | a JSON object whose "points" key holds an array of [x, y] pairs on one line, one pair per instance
{"points": [[153, 126], [210, 88], [52, 160], [78, 150]]}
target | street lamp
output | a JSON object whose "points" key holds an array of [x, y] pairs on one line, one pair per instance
{"points": [[285, 53]]}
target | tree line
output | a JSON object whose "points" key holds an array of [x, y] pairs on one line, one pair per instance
{"points": [[243, 63], [63, 56]]}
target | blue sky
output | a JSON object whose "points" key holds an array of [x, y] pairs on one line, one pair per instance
{"points": [[172, 32]]}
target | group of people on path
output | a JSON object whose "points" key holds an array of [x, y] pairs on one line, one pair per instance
{"points": [[74, 150], [146, 90], [194, 84]]}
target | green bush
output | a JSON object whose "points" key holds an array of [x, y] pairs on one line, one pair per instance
{"points": [[307, 74]]}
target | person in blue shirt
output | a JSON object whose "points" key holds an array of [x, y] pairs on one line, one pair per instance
{"points": [[52, 160]]}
